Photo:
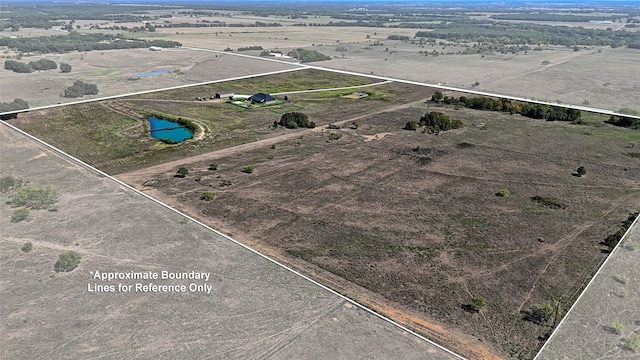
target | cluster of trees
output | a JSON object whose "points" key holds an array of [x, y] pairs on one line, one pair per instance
{"points": [[545, 16], [535, 111], [42, 64], [294, 120], [79, 89], [398, 37], [255, 47], [624, 121], [308, 55], [435, 122], [75, 41]]}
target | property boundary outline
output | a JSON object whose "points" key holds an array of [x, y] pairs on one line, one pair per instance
{"points": [[228, 238]]}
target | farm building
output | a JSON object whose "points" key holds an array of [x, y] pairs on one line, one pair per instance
{"points": [[261, 98]]}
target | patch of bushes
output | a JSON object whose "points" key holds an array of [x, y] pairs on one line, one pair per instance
{"points": [[9, 183], [548, 202], [294, 120], [67, 261], [16, 104], [633, 342], [20, 214], [28, 246], [43, 64], [624, 121], [213, 166], [17, 66], [477, 304], [33, 198], [335, 136], [255, 47], [617, 327], [411, 125], [225, 182]]}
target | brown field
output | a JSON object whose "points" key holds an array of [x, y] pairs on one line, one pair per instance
{"points": [[406, 222], [255, 309]]}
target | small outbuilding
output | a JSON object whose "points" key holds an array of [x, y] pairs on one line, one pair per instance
{"points": [[262, 98], [223, 95]]}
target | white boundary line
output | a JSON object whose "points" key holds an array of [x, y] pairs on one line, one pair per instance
{"points": [[635, 223], [91, 168]]}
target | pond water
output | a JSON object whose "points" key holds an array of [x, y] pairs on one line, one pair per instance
{"points": [[154, 72], [165, 129]]}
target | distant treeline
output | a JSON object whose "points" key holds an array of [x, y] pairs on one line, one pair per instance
{"points": [[16, 104], [554, 17], [534, 111], [75, 41], [521, 33]]}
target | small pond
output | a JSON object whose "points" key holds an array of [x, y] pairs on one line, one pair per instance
{"points": [[165, 129], [154, 72]]}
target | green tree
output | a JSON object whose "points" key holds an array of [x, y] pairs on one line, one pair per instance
{"points": [[43, 64], [581, 171], [65, 68], [213, 166], [17, 66], [79, 89], [437, 96], [294, 120], [67, 261]]}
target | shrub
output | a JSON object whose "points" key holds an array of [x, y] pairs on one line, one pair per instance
{"points": [[503, 193], [411, 125], [43, 64], [67, 261], [17, 66], [247, 169], [634, 342], [477, 303], [581, 171], [333, 126], [225, 182], [28, 246], [436, 121], [65, 68], [8, 183], [617, 327], [208, 195], [335, 136], [213, 166], [33, 198], [20, 214], [547, 202], [182, 171]]}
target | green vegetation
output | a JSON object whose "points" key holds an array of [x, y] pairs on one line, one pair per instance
{"points": [[19, 214], [17, 66], [398, 37], [225, 182], [213, 166], [182, 172], [33, 198], [542, 315], [411, 125], [503, 193], [208, 195], [581, 171], [335, 136], [624, 121], [65, 68], [477, 303], [634, 342], [43, 64], [617, 327], [67, 261], [612, 240], [548, 202], [248, 169], [258, 47], [436, 121], [294, 120], [28, 246], [16, 104], [308, 55], [79, 89]]}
